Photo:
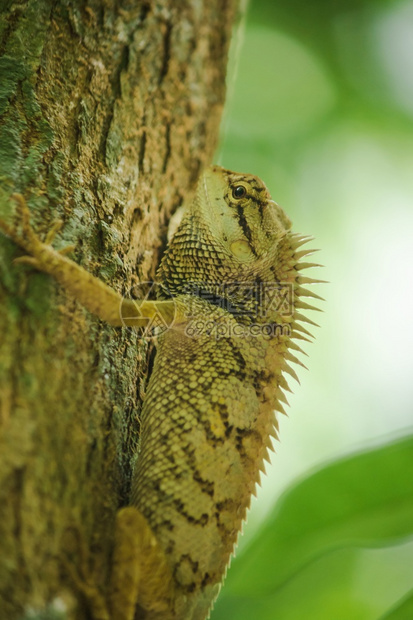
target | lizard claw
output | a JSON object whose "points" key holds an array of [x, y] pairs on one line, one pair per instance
{"points": [[27, 260], [24, 212], [26, 238], [67, 250], [22, 235], [7, 230], [58, 224]]}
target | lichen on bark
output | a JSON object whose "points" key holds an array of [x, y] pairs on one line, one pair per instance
{"points": [[108, 112]]}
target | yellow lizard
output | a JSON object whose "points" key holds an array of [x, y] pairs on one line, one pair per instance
{"points": [[233, 290]]}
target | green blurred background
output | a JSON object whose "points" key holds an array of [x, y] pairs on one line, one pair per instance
{"points": [[320, 106]]}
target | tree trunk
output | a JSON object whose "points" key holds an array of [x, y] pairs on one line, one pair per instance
{"points": [[108, 112]]}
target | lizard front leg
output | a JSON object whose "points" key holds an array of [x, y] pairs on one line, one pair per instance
{"points": [[91, 292]]}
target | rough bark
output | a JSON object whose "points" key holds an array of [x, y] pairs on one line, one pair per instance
{"points": [[108, 112]]}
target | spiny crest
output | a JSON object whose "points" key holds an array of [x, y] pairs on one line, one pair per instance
{"points": [[298, 331]]}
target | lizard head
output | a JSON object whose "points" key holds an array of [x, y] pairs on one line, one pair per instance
{"points": [[241, 216], [231, 232]]}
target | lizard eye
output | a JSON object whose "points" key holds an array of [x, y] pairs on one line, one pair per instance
{"points": [[239, 191]]}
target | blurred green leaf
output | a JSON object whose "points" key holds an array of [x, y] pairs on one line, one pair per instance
{"points": [[363, 500], [319, 592], [350, 583], [403, 610]]}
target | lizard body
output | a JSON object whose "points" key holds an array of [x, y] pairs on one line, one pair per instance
{"points": [[234, 273]]}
